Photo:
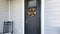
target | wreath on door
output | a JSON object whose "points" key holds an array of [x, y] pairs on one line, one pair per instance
{"points": [[31, 11]]}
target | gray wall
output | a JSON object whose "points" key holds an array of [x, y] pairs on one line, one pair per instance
{"points": [[3, 12], [17, 15], [52, 17]]}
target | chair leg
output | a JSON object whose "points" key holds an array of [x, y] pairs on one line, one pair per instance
{"points": [[12, 33]]}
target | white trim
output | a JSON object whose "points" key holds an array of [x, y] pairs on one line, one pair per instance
{"points": [[42, 16], [9, 10]]}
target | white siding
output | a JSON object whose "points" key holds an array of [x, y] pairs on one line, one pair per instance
{"points": [[52, 16], [3, 13], [17, 15]]}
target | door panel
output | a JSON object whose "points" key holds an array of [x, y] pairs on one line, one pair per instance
{"points": [[32, 23]]}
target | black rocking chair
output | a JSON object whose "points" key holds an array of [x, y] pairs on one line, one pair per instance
{"points": [[8, 27]]}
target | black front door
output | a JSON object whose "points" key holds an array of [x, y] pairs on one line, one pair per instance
{"points": [[32, 16]]}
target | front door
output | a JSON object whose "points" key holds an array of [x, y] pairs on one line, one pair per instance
{"points": [[32, 16]]}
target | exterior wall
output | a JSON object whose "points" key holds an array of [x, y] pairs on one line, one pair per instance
{"points": [[17, 15], [52, 16], [3, 13]]}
